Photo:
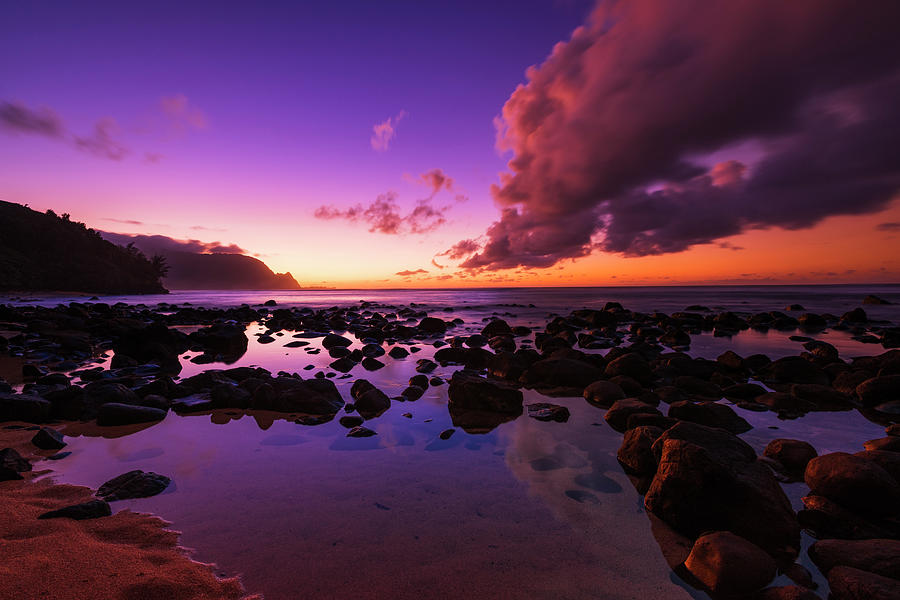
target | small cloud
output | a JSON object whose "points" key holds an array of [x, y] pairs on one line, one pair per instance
{"points": [[41, 121], [435, 263], [411, 273], [124, 221], [182, 116], [461, 249], [890, 226], [383, 133], [161, 244], [102, 141], [152, 157]]}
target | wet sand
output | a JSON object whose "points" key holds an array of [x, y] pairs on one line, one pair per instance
{"points": [[126, 556]]}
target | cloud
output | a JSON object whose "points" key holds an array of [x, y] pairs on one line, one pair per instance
{"points": [[124, 221], [435, 263], [436, 180], [153, 157], [612, 137], [461, 249], [383, 215], [42, 121], [181, 114], [891, 226], [411, 273], [101, 142], [161, 244], [383, 133]]}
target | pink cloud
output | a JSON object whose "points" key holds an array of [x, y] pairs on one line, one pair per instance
{"points": [[384, 132]]}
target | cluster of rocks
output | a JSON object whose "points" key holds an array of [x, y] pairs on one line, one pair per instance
{"points": [[680, 443]]}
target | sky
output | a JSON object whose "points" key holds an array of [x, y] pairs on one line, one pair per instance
{"points": [[426, 144]]}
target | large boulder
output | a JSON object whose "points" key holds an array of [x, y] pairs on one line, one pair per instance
{"points": [[878, 390], [631, 364], [432, 326], [794, 369], [561, 376], [847, 583], [618, 414], [710, 414], [854, 483], [24, 407], [154, 343], [879, 556], [636, 454], [11, 464], [133, 484], [113, 413], [309, 396], [709, 484], [227, 341], [727, 564], [793, 455], [478, 405], [603, 393]]}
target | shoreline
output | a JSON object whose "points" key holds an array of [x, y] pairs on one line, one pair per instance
{"points": [[125, 555]]}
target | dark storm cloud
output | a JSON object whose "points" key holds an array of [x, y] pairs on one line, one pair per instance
{"points": [[161, 244], [609, 136]]}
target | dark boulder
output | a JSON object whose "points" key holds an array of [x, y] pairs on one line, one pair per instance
{"points": [[847, 583], [727, 564], [877, 390], [544, 411], [48, 439], [496, 327], [92, 509], [432, 326], [559, 376], [794, 369], [881, 556], [792, 455], [225, 340], [24, 407], [631, 364], [478, 404], [854, 483], [133, 484], [603, 393], [309, 396], [618, 414], [710, 414], [698, 488], [11, 464], [636, 454], [113, 413]]}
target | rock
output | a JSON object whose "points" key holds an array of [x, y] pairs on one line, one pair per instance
{"points": [[398, 352], [632, 365], [697, 489], [603, 393], [371, 364], [445, 434], [543, 411], [743, 391], [226, 340], [887, 460], [794, 369], [726, 563], [412, 393], [828, 519], [786, 592], [857, 315], [889, 443], [133, 484], [92, 509], [873, 299], [48, 439], [847, 583], [423, 365], [880, 556], [696, 386], [98, 393], [360, 431], [877, 390], [432, 326], [478, 405], [710, 414], [351, 421], [113, 413], [562, 376], [333, 340], [822, 397], [495, 328], [372, 403], [635, 454], [24, 407], [854, 483], [618, 413], [793, 455], [720, 443], [11, 464], [309, 396]]}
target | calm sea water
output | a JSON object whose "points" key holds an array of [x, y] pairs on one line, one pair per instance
{"points": [[529, 510]]}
